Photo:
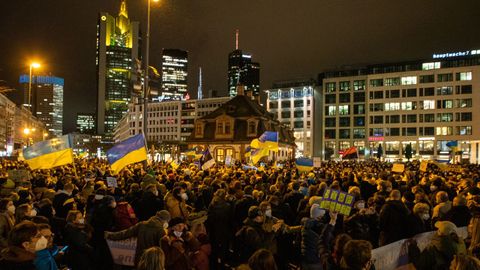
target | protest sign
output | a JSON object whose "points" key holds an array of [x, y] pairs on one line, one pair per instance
{"points": [[123, 252], [19, 175], [423, 166], [336, 200], [398, 167], [228, 160], [112, 182], [317, 162]]}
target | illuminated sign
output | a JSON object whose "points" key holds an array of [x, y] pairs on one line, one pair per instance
{"points": [[455, 54], [426, 138], [375, 139]]}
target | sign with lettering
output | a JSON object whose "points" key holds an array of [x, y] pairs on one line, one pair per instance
{"points": [[112, 182], [123, 252], [336, 200], [19, 175]]}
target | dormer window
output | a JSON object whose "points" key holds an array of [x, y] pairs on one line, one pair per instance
{"points": [[199, 129], [224, 126], [252, 128]]}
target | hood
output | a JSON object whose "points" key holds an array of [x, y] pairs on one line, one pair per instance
{"points": [[17, 255]]}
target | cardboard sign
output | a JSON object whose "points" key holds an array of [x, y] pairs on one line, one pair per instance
{"points": [[423, 166], [317, 162], [228, 160], [19, 175], [336, 200], [398, 167], [123, 252], [112, 182]]}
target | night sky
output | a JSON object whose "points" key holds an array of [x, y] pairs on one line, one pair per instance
{"points": [[289, 38]]}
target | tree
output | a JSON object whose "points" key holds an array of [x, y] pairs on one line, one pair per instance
{"points": [[408, 151], [379, 151]]}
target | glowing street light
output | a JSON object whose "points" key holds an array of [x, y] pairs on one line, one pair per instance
{"points": [[32, 66], [26, 131]]}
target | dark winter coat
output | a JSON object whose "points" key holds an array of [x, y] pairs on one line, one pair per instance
{"points": [[438, 254], [59, 204], [459, 215], [148, 205], [45, 261], [79, 253], [178, 251], [393, 221], [7, 222], [15, 258], [124, 216], [241, 209], [252, 237], [311, 241], [219, 222]]}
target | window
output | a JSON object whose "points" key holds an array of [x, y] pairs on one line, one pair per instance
{"points": [[344, 133], [376, 132], [343, 109], [298, 114], [394, 119], [430, 91], [427, 78], [444, 90], [345, 98], [345, 86], [359, 121], [376, 95], [444, 131], [331, 99], [447, 77], [444, 117], [428, 104], [330, 134], [286, 104], [220, 155], [298, 103], [464, 103], [227, 127], [344, 121], [467, 116], [429, 118], [466, 89], [392, 106], [286, 94], [394, 93], [330, 87], [376, 107], [391, 81], [409, 80], [392, 132], [407, 106], [331, 110], [286, 114], [410, 131], [359, 97], [376, 82], [359, 85], [199, 129], [378, 119], [464, 130], [359, 109], [431, 65], [412, 92], [330, 122], [464, 76], [411, 118], [428, 131], [445, 104], [273, 105], [358, 133], [252, 127], [298, 124]]}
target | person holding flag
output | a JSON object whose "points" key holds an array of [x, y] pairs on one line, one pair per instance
{"points": [[49, 154], [207, 161], [129, 151]]}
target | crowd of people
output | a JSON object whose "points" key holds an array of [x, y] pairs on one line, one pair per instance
{"points": [[231, 217]]}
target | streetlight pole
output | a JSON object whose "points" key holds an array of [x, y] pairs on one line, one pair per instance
{"points": [[145, 80], [32, 66]]}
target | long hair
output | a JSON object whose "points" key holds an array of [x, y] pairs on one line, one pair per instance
{"points": [[465, 262], [152, 259], [475, 240], [262, 259]]}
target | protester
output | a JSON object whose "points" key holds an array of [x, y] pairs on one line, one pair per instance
{"points": [[7, 220], [152, 259], [24, 241], [262, 259], [179, 245]]}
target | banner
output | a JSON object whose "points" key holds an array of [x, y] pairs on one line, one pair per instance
{"points": [[19, 175], [398, 167], [394, 256], [112, 182], [336, 200], [317, 162], [123, 252]]}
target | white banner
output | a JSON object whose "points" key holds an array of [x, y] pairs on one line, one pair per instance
{"points": [[123, 252]]}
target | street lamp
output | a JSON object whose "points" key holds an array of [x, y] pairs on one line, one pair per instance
{"points": [[145, 85], [32, 66]]}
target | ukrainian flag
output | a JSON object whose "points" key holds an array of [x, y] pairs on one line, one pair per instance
{"points": [[257, 154], [269, 139], [304, 164], [49, 154], [132, 150], [191, 152], [248, 151]]}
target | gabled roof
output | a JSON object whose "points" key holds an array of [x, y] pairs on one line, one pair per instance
{"points": [[240, 106]]}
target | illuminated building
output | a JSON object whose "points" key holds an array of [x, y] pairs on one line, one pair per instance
{"points": [[47, 101], [425, 103], [117, 48], [86, 123], [174, 74], [292, 102]]}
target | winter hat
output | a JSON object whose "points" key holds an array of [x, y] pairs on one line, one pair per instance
{"points": [[163, 215], [254, 212], [316, 211], [175, 221], [445, 227]]}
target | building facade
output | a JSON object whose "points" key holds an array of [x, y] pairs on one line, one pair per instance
{"points": [[241, 70], [85, 123], [292, 102], [423, 103], [7, 118], [169, 122], [47, 100], [117, 49], [174, 74]]}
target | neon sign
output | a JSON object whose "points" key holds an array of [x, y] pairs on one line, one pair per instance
{"points": [[455, 54]]}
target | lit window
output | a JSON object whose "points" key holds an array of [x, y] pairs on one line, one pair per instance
{"points": [[392, 106], [464, 76], [431, 65], [428, 104], [409, 80], [343, 109]]}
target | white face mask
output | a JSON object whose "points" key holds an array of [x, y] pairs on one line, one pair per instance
{"points": [[184, 196], [54, 212], [11, 209], [178, 234], [165, 225], [33, 213], [360, 206], [433, 188], [41, 244], [268, 213], [425, 216], [155, 193], [81, 221]]}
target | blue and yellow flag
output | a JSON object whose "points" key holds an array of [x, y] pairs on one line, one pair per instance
{"points": [[132, 150], [269, 139], [304, 164], [190, 152], [257, 154], [248, 151], [49, 154]]}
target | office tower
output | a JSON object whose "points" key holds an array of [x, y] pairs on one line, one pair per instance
{"points": [[47, 101], [86, 123], [424, 103], [292, 102], [174, 74], [117, 48], [200, 90], [241, 70]]}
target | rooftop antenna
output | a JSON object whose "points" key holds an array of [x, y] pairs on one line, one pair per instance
{"points": [[236, 39], [200, 92]]}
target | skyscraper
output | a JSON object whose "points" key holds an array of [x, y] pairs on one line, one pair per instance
{"points": [[117, 48], [174, 73], [47, 101], [242, 70], [86, 123]]}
